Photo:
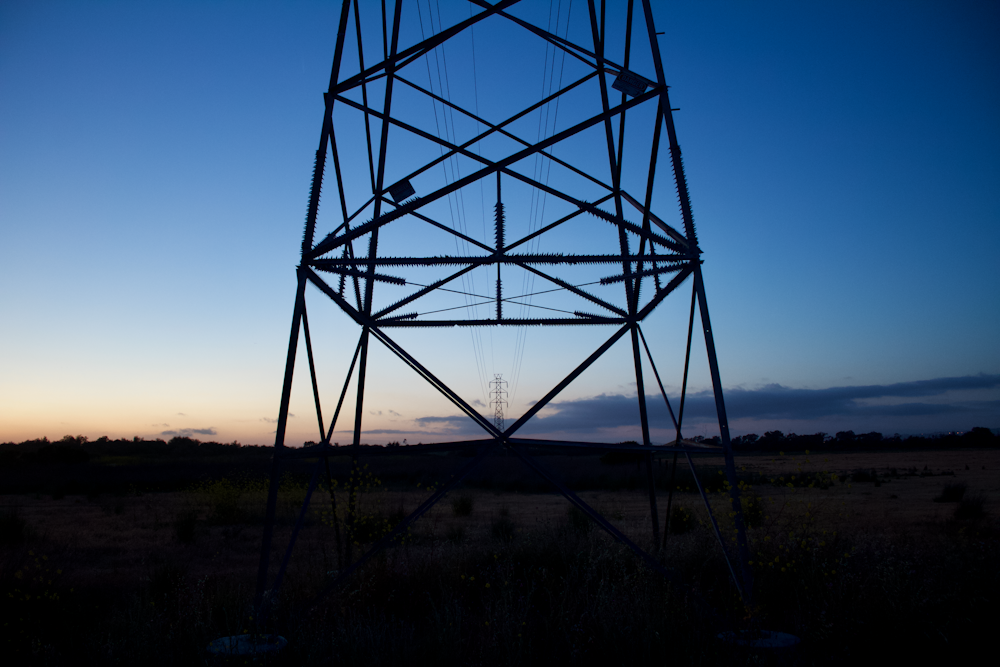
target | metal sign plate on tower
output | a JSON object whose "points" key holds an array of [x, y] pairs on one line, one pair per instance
{"points": [[630, 84]]}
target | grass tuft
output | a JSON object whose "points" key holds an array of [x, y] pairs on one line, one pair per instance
{"points": [[971, 507], [952, 493]]}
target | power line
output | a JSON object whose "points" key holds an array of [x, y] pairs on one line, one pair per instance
{"points": [[460, 246], [528, 281]]}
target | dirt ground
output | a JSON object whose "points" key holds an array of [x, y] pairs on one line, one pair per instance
{"points": [[119, 541]]}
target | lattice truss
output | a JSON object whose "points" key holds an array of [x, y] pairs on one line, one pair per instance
{"points": [[561, 187]]}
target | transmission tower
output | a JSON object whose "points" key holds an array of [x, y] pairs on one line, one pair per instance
{"points": [[576, 207], [497, 393]]}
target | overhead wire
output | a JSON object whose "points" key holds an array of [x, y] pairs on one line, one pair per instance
{"points": [[489, 300], [539, 199], [455, 204], [479, 150], [519, 296], [460, 203]]}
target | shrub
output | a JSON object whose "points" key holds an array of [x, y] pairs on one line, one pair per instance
{"points": [[681, 520], [13, 527], [461, 506], [370, 527], [861, 476], [235, 500], [502, 528], [616, 457], [753, 510], [62, 453], [970, 507], [184, 527], [578, 520], [396, 517], [952, 493]]}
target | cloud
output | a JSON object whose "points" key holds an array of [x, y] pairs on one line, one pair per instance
{"points": [[373, 412], [394, 413], [774, 401], [920, 406], [385, 431], [181, 414], [274, 421], [449, 422], [188, 432], [478, 403]]}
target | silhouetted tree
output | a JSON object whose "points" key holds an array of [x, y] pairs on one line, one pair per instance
{"points": [[872, 438], [745, 442], [845, 437], [980, 436]]}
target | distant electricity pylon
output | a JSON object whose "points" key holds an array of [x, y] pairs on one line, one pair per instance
{"points": [[497, 393], [578, 200]]}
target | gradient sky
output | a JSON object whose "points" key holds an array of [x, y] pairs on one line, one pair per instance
{"points": [[155, 159]]}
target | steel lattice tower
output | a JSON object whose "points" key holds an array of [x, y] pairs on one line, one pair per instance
{"points": [[497, 395], [386, 257]]}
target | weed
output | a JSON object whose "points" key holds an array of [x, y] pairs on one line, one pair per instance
{"points": [[371, 527], [753, 510], [461, 506], [502, 528], [681, 520], [165, 582], [455, 534]]}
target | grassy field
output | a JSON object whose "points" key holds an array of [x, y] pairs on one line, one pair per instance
{"points": [[864, 556]]}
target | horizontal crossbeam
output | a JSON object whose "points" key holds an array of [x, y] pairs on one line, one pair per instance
{"points": [[332, 242], [488, 260]]}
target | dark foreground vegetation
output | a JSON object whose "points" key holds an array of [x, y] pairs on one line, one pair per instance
{"points": [[887, 561]]}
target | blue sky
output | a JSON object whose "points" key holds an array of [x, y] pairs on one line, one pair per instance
{"points": [[154, 168]]}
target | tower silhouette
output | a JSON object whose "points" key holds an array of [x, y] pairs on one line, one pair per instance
{"points": [[572, 176], [497, 400]]}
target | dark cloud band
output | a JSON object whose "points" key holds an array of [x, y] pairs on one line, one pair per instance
{"points": [[770, 402], [775, 401]]}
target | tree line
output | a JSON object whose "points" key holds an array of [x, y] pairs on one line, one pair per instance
{"points": [[776, 441], [80, 449]]}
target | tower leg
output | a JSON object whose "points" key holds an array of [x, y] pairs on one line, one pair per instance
{"points": [[355, 448], [644, 417], [727, 448], [279, 443]]}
